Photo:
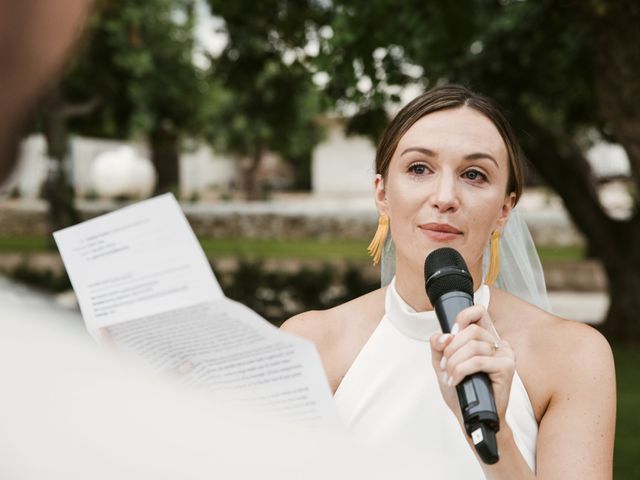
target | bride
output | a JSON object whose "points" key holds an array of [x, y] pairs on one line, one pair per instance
{"points": [[449, 173]]}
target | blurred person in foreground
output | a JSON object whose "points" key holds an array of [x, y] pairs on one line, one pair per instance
{"points": [[449, 173], [68, 411]]}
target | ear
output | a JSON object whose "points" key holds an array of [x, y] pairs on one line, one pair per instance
{"points": [[380, 195], [507, 207]]}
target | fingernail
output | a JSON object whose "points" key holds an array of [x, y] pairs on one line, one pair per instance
{"points": [[450, 382], [445, 377], [455, 329], [443, 363], [442, 339], [185, 367]]}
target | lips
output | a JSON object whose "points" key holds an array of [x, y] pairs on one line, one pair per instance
{"points": [[441, 232]]}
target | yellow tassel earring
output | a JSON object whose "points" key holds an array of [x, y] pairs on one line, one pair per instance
{"points": [[375, 247], [494, 258]]}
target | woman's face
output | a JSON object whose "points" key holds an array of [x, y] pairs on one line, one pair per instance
{"points": [[446, 186]]}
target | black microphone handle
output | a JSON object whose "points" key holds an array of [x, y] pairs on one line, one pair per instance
{"points": [[475, 394]]}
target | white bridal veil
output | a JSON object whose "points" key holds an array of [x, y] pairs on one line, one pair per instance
{"points": [[520, 269]]}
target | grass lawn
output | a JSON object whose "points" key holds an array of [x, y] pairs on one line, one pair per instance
{"points": [[627, 449], [561, 254], [26, 244], [303, 249]]}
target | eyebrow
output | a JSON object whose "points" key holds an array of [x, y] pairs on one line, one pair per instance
{"points": [[431, 153]]}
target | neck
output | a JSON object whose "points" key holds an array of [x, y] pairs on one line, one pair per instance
{"points": [[410, 284]]}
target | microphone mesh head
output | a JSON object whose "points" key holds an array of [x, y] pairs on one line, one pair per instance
{"points": [[443, 257], [444, 271]]}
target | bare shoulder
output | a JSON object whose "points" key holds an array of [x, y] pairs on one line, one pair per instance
{"points": [[555, 357], [321, 326], [578, 357], [340, 332], [564, 344]]}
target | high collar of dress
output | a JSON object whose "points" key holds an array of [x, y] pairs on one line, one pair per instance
{"points": [[420, 325]]}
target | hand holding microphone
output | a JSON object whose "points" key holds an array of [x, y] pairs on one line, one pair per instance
{"points": [[472, 353]]}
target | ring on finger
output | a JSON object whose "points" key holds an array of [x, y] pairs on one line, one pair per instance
{"points": [[495, 347]]}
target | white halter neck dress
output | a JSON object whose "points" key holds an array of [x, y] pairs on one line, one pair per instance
{"points": [[390, 396]]}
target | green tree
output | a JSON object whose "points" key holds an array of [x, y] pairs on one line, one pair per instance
{"points": [[269, 103], [135, 77], [560, 69], [140, 63]]}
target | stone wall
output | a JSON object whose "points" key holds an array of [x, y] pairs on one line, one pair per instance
{"points": [[228, 224], [273, 226], [23, 222], [262, 221]]}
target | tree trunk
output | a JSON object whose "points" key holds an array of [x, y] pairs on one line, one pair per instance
{"points": [[567, 171], [302, 174], [622, 266], [617, 74], [165, 158], [58, 190], [623, 319], [614, 242], [251, 185]]}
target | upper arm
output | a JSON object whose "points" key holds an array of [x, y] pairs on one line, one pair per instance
{"points": [[576, 433]]}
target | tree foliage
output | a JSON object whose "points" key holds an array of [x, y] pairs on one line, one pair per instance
{"points": [[270, 102], [566, 72], [138, 63], [137, 70]]}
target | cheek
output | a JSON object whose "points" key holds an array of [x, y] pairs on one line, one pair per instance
{"points": [[404, 204], [403, 208], [483, 220]]}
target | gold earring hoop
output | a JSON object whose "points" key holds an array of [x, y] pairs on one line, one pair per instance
{"points": [[375, 247], [494, 258]]}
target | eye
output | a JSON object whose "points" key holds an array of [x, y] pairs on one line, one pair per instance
{"points": [[418, 169], [475, 176]]}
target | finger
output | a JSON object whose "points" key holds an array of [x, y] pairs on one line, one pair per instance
{"points": [[104, 337], [490, 365], [471, 349], [470, 333], [486, 322], [181, 369], [502, 347], [185, 367], [478, 315], [468, 316], [438, 343]]}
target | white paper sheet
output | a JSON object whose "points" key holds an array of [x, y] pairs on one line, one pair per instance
{"points": [[140, 273], [139, 260]]}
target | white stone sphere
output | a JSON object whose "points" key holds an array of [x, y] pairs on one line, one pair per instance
{"points": [[122, 173]]}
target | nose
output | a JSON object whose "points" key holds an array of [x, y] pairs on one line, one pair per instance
{"points": [[444, 196]]}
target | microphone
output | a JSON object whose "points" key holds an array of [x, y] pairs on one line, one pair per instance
{"points": [[450, 289]]}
